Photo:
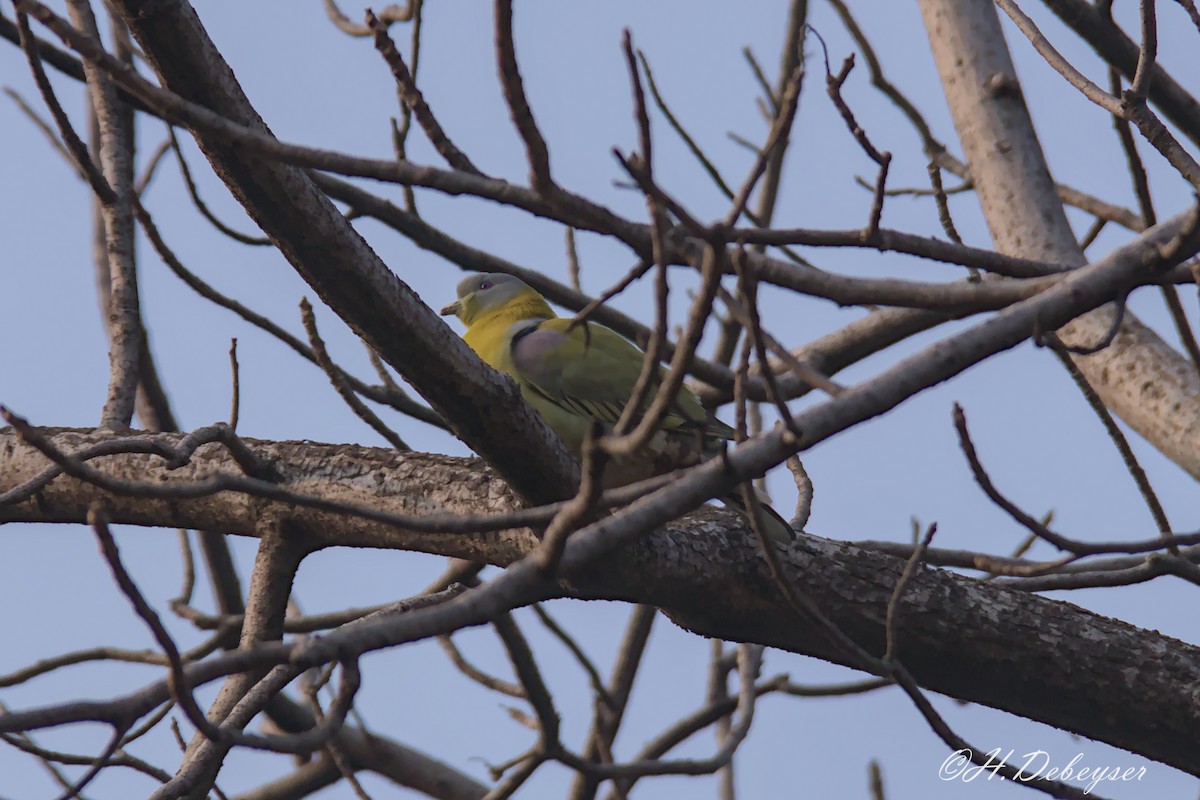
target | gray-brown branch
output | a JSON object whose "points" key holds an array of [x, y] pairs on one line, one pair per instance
{"points": [[1046, 660], [335, 260]]}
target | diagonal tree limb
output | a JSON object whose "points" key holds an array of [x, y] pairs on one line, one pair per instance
{"points": [[1140, 377], [951, 661], [1115, 47], [281, 549], [1044, 659], [484, 409]]}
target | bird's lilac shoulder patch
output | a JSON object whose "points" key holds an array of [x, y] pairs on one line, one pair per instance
{"points": [[534, 348]]}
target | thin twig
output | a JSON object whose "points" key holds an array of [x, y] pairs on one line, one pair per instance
{"points": [[398, 401], [189, 570], [70, 139], [893, 608], [151, 169], [236, 393], [518, 105], [51, 136], [1118, 438], [576, 511], [1148, 52], [476, 674], [943, 203], [1035, 526], [115, 153], [573, 260], [577, 651], [789, 102], [388, 14], [339, 382], [194, 192], [1093, 231], [875, 780], [804, 493], [1055, 59], [177, 680], [833, 85], [412, 97]]}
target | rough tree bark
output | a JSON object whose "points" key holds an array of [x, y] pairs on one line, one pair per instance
{"points": [[1043, 659]]}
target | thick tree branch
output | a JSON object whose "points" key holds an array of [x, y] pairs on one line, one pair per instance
{"points": [[484, 409], [1043, 659], [1140, 377]]}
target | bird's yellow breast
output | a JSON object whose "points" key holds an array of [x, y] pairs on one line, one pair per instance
{"points": [[490, 334], [491, 340]]}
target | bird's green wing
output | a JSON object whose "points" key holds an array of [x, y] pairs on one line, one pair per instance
{"points": [[591, 371], [574, 375]]}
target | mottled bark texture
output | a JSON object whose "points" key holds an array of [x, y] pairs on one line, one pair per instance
{"points": [[1046, 660]]}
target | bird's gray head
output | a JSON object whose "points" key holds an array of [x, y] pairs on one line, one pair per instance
{"points": [[487, 292]]}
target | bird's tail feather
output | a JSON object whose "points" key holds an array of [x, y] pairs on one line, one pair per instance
{"points": [[778, 529]]}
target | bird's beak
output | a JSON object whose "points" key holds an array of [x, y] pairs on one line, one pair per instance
{"points": [[453, 308]]}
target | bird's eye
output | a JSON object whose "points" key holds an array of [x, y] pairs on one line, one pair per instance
{"points": [[485, 285]]}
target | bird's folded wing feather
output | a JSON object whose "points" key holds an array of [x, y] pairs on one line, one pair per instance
{"points": [[591, 371]]}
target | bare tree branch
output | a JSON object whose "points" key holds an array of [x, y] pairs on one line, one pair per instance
{"points": [[1141, 379], [673, 570], [116, 162]]}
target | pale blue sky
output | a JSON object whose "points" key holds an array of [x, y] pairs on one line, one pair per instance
{"points": [[314, 85]]}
